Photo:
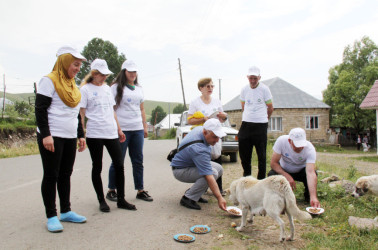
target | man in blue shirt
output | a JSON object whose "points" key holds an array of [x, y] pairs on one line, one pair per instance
{"points": [[193, 164]]}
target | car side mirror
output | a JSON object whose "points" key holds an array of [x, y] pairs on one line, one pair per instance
{"points": [[177, 124], [233, 125]]}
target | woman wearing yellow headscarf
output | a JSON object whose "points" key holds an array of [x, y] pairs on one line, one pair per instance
{"points": [[59, 126]]}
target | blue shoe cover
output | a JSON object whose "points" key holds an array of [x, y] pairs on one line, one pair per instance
{"points": [[72, 217], [53, 225]]}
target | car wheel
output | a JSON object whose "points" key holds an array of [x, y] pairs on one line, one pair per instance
{"points": [[233, 157]]}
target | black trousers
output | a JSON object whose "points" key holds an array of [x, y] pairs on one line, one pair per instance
{"points": [[250, 135], [219, 180], [57, 170], [301, 176], [96, 148]]}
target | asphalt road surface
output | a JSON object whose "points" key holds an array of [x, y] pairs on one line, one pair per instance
{"points": [[152, 226]]}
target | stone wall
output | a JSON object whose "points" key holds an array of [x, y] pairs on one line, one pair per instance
{"points": [[292, 118]]}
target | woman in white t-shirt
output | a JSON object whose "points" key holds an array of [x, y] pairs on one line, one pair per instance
{"points": [[57, 115], [208, 106], [129, 100], [102, 129]]}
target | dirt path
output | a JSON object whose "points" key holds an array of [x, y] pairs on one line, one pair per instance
{"points": [[346, 160]]}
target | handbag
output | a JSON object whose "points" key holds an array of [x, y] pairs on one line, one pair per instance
{"points": [[176, 150]]}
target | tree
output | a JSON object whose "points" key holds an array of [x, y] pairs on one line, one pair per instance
{"points": [[23, 109], [179, 109], [157, 115], [98, 48], [349, 83]]}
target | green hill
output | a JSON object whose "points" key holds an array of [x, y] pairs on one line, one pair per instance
{"points": [[17, 97], [148, 105]]}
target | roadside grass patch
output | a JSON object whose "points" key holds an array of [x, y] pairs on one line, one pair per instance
{"points": [[331, 229], [30, 148], [367, 158]]}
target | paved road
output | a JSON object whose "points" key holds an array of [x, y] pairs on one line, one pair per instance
{"points": [[152, 226]]}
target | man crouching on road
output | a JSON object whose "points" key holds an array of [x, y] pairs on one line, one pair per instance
{"points": [[193, 164], [294, 157]]}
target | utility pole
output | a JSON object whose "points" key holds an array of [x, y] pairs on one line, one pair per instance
{"points": [[169, 115], [182, 85], [220, 89], [2, 113]]}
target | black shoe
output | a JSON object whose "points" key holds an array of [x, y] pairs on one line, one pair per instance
{"points": [[104, 207], [125, 205], [111, 195], [186, 202], [203, 200], [144, 196], [223, 193]]}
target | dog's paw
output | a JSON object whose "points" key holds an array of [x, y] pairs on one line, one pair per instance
{"points": [[239, 229], [282, 239], [250, 220], [289, 238]]}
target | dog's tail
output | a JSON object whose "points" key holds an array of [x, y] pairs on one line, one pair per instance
{"points": [[291, 205]]}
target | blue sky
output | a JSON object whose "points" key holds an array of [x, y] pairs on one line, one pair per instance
{"points": [[298, 41]]}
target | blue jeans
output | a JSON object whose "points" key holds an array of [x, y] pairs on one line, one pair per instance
{"points": [[134, 141]]}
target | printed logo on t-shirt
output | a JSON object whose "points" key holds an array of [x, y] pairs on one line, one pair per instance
{"points": [[286, 154], [259, 100], [95, 93], [248, 101], [129, 99], [300, 158]]}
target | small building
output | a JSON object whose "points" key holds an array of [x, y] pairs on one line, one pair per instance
{"points": [[292, 108], [371, 102], [166, 124]]}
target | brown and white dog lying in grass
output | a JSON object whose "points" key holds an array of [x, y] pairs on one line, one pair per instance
{"points": [[366, 185], [272, 196]]}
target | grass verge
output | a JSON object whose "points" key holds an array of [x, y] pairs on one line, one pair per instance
{"points": [[30, 148]]}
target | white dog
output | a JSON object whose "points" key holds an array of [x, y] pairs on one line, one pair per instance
{"points": [[272, 196], [366, 185]]}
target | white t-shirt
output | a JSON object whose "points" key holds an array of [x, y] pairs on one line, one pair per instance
{"points": [[255, 108], [206, 109], [128, 113], [291, 161], [98, 102], [62, 119]]}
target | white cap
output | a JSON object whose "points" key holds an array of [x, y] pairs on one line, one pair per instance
{"points": [[214, 126], [100, 65], [253, 71], [70, 50], [129, 66], [298, 136]]}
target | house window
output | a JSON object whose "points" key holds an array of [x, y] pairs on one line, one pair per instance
{"points": [[312, 122], [275, 124]]}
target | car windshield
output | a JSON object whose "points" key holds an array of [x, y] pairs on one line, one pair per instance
{"points": [[184, 121]]}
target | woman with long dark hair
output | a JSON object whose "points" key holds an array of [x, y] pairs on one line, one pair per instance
{"points": [[129, 100]]}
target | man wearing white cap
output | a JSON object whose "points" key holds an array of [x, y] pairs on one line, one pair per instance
{"points": [[294, 157], [192, 164], [257, 106]]}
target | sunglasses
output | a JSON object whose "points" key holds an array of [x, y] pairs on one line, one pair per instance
{"points": [[210, 86]]}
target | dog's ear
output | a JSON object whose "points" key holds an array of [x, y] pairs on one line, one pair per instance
{"points": [[365, 187]]}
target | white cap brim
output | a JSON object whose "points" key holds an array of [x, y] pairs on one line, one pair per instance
{"points": [[219, 133], [105, 71], [300, 143], [69, 50]]}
